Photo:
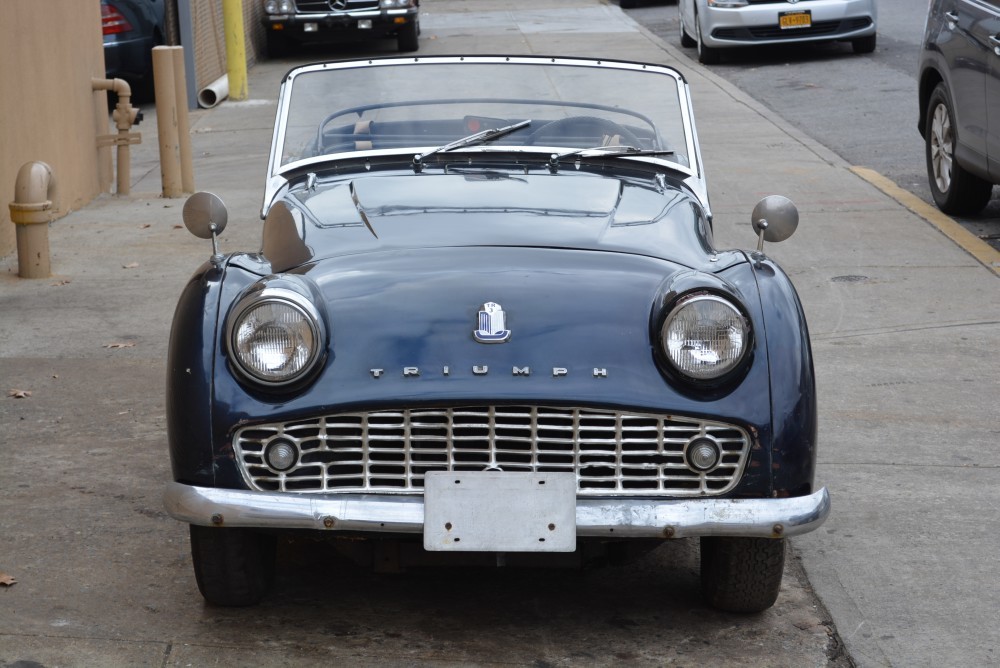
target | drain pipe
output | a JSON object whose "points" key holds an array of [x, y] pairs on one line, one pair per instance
{"points": [[31, 211], [124, 116]]}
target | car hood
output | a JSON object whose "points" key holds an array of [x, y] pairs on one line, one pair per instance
{"points": [[580, 327], [582, 211]]}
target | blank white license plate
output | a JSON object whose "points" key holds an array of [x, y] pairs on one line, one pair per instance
{"points": [[499, 511]]}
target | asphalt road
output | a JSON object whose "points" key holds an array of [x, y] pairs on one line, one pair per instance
{"points": [[863, 108]]}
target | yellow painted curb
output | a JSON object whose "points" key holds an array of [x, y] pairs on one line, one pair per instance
{"points": [[973, 245]]}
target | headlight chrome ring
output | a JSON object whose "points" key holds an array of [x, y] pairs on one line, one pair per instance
{"points": [[704, 337], [275, 336]]}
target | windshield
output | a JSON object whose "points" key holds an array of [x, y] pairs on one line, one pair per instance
{"points": [[422, 105]]}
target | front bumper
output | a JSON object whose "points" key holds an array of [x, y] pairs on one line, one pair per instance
{"points": [[604, 517], [758, 24], [313, 27]]}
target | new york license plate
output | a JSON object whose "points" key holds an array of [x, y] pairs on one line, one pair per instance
{"points": [[499, 511], [792, 20]]}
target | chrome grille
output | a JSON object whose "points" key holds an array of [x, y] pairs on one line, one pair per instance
{"points": [[325, 7], [610, 452]]}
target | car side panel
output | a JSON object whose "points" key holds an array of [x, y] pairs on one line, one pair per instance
{"points": [[793, 387]]}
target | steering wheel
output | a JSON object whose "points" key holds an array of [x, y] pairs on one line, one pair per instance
{"points": [[582, 127]]}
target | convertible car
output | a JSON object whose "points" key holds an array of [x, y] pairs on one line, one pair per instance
{"points": [[488, 321]]}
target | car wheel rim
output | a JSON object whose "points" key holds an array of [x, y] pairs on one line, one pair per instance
{"points": [[941, 147]]}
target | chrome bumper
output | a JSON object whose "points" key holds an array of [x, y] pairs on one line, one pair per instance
{"points": [[611, 516]]}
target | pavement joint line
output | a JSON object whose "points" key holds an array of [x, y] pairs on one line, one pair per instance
{"points": [[967, 241]]}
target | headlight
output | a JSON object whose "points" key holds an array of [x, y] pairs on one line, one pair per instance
{"points": [[395, 4], [275, 336], [704, 336], [279, 7], [727, 3]]}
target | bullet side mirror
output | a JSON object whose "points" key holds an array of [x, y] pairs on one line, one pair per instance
{"points": [[775, 218], [205, 216]]}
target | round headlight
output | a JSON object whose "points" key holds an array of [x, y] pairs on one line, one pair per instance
{"points": [[704, 336], [275, 338]]}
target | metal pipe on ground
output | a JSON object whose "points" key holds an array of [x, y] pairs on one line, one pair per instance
{"points": [[31, 211]]}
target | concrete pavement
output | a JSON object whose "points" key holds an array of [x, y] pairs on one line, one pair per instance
{"points": [[905, 327]]}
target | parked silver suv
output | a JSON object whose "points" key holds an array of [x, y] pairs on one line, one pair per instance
{"points": [[960, 102]]}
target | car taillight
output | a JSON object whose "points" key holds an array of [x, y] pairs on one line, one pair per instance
{"points": [[113, 21]]}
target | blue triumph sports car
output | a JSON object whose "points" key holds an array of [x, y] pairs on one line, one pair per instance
{"points": [[488, 317]]}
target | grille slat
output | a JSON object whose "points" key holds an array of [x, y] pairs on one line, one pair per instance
{"points": [[391, 451]]}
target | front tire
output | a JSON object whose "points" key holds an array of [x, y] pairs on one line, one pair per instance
{"points": [[706, 54], [233, 567], [407, 40], [864, 44], [686, 40], [278, 46], [741, 574], [955, 191]]}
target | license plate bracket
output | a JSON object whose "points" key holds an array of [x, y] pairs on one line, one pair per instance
{"points": [[795, 20], [499, 511]]}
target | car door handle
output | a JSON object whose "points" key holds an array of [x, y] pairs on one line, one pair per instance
{"points": [[996, 43], [951, 16]]}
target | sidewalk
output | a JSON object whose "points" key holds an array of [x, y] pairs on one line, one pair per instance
{"points": [[905, 328]]}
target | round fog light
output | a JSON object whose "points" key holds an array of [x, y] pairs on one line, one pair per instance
{"points": [[281, 455], [702, 454]]}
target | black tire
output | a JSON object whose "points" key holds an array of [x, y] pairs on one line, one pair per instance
{"points": [[278, 46], [233, 567], [706, 54], [627, 4], [406, 39], [955, 191], [741, 574], [864, 44], [687, 41]]}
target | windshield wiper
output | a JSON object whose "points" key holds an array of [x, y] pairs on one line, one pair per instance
{"points": [[481, 137], [609, 151]]}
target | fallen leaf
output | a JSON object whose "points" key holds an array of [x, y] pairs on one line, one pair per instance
{"points": [[147, 225], [19, 394], [130, 265], [7, 580], [61, 283], [120, 345], [177, 227]]}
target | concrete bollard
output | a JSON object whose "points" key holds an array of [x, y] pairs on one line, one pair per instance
{"points": [[31, 211], [166, 121]]}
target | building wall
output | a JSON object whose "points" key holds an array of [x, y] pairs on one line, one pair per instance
{"points": [[49, 111], [210, 38]]}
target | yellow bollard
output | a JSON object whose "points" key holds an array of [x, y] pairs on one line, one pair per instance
{"points": [[236, 54], [31, 211]]}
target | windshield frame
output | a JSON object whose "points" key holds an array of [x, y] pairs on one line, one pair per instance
{"points": [[277, 173]]}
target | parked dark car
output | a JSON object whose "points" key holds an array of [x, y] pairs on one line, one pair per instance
{"points": [[960, 102], [131, 29], [491, 321], [293, 22]]}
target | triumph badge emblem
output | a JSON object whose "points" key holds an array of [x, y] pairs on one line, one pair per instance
{"points": [[492, 324]]}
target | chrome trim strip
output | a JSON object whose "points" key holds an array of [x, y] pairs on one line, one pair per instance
{"points": [[630, 518]]}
